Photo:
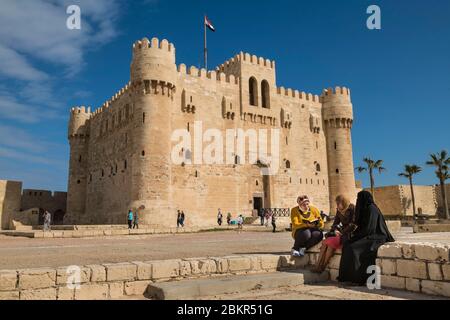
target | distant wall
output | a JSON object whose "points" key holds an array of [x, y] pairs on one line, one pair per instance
{"points": [[397, 200], [10, 197]]}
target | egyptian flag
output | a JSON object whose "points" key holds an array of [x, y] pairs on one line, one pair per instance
{"points": [[209, 24]]}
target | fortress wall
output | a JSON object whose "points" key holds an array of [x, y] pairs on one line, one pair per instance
{"points": [[439, 200], [108, 195], [10, 197], [45, 199], [396, 200]]}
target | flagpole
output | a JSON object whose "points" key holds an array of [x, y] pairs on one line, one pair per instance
{"points": [[205, 51]]}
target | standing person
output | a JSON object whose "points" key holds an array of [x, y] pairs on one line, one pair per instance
{"points": [[219, 218], [307, 225], [178, 218], [274, 223], [136, 220], [47, 220], [360, 251], [240, 222], [182, 216], [340, 232], [261, 216], [130, 218], [229, 218]]}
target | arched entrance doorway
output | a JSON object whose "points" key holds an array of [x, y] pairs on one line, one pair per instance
{"points": [[58, 217]]}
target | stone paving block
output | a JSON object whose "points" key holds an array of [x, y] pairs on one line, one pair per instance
{"points": [[270, 261], [120, 271], [239, 264], [432, 252], [287, 261], [435, 271], [184, 268], [38, 294], [9, 295], [65, 293], [393, 250], [439, 288], [92, 292], [8, 280], [412, 284], [144, 270], [412, 269], [393, 282], [207, 266], [408, 250], [446, 271], [98, 272], [136, 287], [37, 278], [165, 268], [221, 264], [63, 274], [116, 290], [388, 267]]}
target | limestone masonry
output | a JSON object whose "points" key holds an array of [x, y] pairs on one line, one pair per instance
{"points": [[120, 154]]}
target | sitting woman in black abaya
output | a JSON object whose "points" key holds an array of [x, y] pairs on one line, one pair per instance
{"points": [[360, 251]]}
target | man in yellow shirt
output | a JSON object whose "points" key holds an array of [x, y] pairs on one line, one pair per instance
{"points": [[307, 226]]}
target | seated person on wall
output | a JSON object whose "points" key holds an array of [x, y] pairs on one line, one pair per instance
{"points": [[360, 251], [307, 225], [342, 228]]}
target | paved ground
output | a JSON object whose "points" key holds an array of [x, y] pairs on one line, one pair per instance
{"points": [[25, 252]]}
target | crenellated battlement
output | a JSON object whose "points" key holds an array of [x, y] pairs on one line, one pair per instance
{"points": [[297, 94], [114, 98], [342, 91], [154, 43], [247, 58], [208, 75], [80, 110]]}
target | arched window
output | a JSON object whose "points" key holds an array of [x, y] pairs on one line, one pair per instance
{"points": [[317, 167], [237, 160], [253, 91], [288, 164], [265, 94], [188, 155]]}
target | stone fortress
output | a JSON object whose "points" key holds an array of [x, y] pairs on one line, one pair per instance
{"points": [[120, 154]]}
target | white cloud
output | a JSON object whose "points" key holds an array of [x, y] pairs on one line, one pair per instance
{"points": [[14, 65], [38, 28]]}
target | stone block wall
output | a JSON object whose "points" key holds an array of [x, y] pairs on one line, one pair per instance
{"points": [[418, 267]]}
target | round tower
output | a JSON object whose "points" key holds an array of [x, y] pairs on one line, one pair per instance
{"points": [[153, 83], [78, 136], [337, 113]]}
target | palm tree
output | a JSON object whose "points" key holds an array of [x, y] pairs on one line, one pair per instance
{"points": [[441, 161], [409, 172], [371, 166]]}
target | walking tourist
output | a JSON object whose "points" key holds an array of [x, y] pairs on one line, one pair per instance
{"points": [[340, 232], [130, 218], [307, 226], [47, 221], [219, 217], [182, 217], [229, 218], [360, 251], [274, 223], [178, 218], [240, 222], [136, 220]]}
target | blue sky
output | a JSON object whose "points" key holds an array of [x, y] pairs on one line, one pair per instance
{"points": [[399, 75]]}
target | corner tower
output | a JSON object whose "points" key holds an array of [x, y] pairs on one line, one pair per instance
{"points": [[153, 83], [337, 113], [78, 136]]}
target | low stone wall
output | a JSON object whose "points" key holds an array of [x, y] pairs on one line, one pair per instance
{"points": [[416, 267]]}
